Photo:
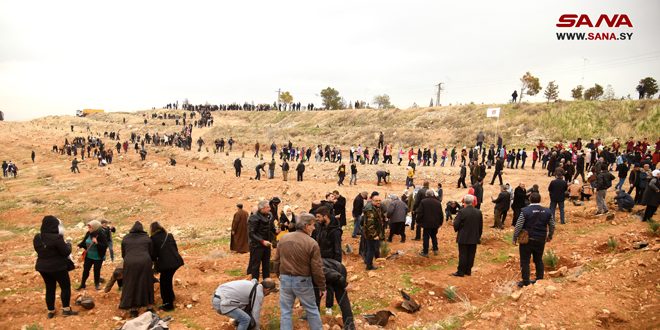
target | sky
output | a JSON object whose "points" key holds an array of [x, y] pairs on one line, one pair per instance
{"points": [[60, 56]]}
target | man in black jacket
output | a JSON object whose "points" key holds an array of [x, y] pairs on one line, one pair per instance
{"points": [[340, 208], [603, 182], [461, 178], [468, 226], [336, 280], [579, 167], [499, 167], [300, 169], [557, 189], [478, 192], [328, 235], [502, 204], [429, 217], [539, 223], [358, 206], [261, 232], [238, 166], [421, 194], [285, 169]]}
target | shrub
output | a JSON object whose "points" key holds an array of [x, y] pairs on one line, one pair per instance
{"points": [[550, 259], [451, 293], [654, 227], [612, 243]]}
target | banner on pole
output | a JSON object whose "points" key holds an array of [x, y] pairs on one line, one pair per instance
{"points": [[493, 112]]}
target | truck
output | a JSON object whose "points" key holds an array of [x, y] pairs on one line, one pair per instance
{"points": [[85, 112]]}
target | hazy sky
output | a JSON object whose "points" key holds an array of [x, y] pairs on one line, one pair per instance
{"points": [[59, 56]]}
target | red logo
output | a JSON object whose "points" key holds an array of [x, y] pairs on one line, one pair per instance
{"points": [[574, 20]]}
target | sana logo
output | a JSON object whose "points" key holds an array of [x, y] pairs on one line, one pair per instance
{"points": [[583, 20]]}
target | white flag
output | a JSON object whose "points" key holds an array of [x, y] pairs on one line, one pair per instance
{"points": [[493, 112]]}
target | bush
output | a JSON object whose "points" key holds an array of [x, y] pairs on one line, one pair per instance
{"points": [[654, 227], [612, 243], [451, 293], [550, 259]]}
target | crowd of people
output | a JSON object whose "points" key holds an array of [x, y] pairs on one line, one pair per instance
{"points": [[305, 251]]}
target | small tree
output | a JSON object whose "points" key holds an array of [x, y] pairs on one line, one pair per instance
{"points": [[331, 99], [609, 93], [551, 91], [286, 98], [383, 101], [577, 92], [594, 93], [530, 85], [647, 88]]}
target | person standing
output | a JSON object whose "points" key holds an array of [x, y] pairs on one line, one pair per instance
{"points": [[53, 263], [298, 262], [95, 244], [234, 298], [539, 223], [300, 169], [429, 217], [285, 169], [396, 213], [603, 182], [622, 170], [557, 189], [502, 204], [239, 231], [238, 166], [462, 175], [519, 199], [651, 196], [105, 224], [373, 230], [499, 167], [469, 227], [166, 262], [340, 208], [354, 172], [74, 166], [358, 207], [271, 169], [421, 194], [33, 155], [341, 173], [138, 278], [261, 233]]}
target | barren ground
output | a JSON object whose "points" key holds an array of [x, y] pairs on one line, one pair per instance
{"points": [[602, 287]]}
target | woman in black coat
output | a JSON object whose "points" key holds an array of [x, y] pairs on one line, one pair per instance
{"points": [[95, 244], [138, 287], [52, 263], [167, 260], [519, 201]]}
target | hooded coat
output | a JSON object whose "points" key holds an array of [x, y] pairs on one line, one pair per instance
{"points": [[137, 251], [52, 251]]}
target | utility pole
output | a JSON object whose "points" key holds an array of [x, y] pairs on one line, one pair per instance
{"points": [[279, 91], [584, 66], [440, 89]]}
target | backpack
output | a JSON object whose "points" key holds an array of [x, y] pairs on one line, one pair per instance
{"points": [[248, 307]]}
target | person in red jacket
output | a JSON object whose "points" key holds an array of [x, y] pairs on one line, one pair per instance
{"points": [[535, 157]]}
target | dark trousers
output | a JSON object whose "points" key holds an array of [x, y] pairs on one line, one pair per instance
{"points": [[532, 249], [258, 175], [341, 180], [51, 280], [417, 229], [533, 163], [238, 173], [259, 256], [398, 228], [496, 175], [336, 291], [461, 180], [430, 233], [466, 253], [166, 288], [500, 218], [299, 176], [97, 271], [516, 214], [649, 212], [371, 251]]}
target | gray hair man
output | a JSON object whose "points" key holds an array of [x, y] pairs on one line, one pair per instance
{"points": [[261, 232], [299, 265]]}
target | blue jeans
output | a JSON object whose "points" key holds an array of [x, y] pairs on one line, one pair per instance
{"points": [[303, 288], [553, 207], [241, 317], [356, 226], [619, 185]]}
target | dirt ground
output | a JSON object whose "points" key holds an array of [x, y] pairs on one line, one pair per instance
{"points": [[597, 285]]}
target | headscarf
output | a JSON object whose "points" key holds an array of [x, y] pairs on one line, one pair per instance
{"points": [[95, 224]]}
